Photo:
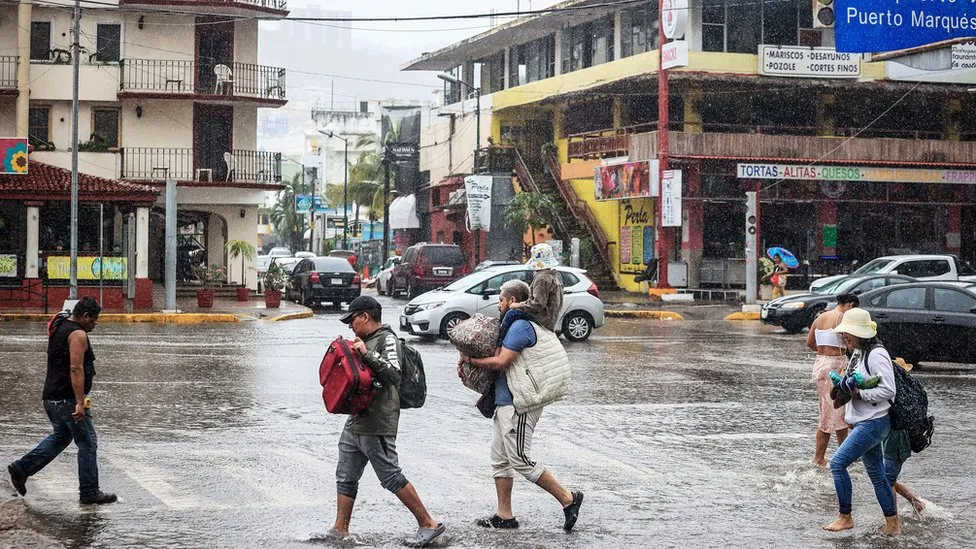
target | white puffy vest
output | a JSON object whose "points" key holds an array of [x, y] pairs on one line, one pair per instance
{"points": [[541, 374]]}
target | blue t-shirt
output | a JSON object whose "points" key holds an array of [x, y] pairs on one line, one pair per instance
{"points": [[520, 336]]}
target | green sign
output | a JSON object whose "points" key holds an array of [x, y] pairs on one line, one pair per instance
{"points": [[830, 236]]}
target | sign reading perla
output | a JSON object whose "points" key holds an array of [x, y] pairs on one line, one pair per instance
{"points": [[803, 62]]}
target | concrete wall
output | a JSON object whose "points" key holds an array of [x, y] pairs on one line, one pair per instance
{"points": [[444, 152], [246, 41], [8, 118]]}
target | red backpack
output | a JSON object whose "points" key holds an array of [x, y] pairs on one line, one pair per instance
{"points": [[347, 383]]}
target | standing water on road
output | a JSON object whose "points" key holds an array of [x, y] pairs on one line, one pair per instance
{"points": [[694, 434]]}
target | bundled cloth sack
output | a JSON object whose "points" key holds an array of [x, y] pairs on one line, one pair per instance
{"points": [[476, 337]]}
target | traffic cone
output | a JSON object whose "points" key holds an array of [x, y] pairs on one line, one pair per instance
{"points": [[366, 272]]}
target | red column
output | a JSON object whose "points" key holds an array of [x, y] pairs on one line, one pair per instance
{"points": [[144, 294], [954, 230], [826, 219]]}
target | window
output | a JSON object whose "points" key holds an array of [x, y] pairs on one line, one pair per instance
{"points": [[869, 285], [934, 267], [739, 27], [452, 90], [492, 73], [713, 25], [639, 29], [494, 284], [569, 279], [588, 44], [443, 255], [105, 127], [540, 58], [907, 298], [40, 44], [108, 40], [953, 301], [39, 125]]}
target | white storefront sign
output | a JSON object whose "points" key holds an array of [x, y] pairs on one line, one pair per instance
{"points": [[674, 54], [478, 191], [801, 62], [815, 172], [675, 18], [671, 202], [964, 56]]}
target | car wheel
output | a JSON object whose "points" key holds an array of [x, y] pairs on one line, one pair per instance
{"points": [[450, 321], [577, 326]]}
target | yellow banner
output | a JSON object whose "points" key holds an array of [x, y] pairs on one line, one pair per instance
{"points": [[115, 268]]}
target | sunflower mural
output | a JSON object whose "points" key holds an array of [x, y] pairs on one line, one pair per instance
{"points": [[13, 156]]}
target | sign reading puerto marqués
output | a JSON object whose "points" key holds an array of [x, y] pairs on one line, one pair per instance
{"points": [[854, 173], [867, 26]]}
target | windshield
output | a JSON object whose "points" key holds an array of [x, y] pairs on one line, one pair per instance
{"points": [[336, 264], [843, 286], [828, 288], [874, 266]]}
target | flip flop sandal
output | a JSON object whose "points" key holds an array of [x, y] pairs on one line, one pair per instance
{"points": [[426, 535]]}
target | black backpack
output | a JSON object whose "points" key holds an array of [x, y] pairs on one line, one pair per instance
{"points": [[413, 380], [910, 407]]}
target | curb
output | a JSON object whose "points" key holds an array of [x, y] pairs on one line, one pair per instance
{"points": [[743, 316], [653, 315], [131, 318], [293, 316]]}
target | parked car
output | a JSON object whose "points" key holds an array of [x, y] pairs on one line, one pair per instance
{"points": [[383, 278], [303, 255], [925, 321], [920, 267], [427, 266], [349, 255], [436, 312], [796, 312], [319, 279], [262, 261]]}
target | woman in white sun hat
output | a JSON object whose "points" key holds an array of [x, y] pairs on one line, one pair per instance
{"points": [[867, 413], [546, 297]]}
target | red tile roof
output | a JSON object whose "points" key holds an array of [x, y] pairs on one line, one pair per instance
{"points": [[46, 182]]}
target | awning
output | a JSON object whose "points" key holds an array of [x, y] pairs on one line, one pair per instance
{"points": [[403, 213]]}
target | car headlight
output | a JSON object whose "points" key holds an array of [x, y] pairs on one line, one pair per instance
{"points": [[795, 305], [429, 306]]}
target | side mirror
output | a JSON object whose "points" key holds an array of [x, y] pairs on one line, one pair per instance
{"points": [[857, 291]]}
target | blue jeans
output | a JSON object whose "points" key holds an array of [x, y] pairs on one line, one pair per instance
{"points": [[864, 442], [66, 429]]}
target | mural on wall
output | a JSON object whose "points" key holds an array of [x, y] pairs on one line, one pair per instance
{"points": [[636, 235], [89, 268], [13, 156], [624, 181]]}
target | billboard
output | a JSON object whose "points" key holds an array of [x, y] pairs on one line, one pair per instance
{"points": [[871, 26], [626, 180], [89, 268], [13, 156], [478, 191]]}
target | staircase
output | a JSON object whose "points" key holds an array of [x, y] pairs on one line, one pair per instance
{"points": [[573, 218]]}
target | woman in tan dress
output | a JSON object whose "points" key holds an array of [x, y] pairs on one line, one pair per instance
{"points": [[831, 356]]}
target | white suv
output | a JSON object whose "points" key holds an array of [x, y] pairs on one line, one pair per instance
{"points": [[920, 267], [437, 311]]}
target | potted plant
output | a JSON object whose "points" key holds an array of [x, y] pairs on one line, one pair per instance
{"points": [[208, 276], [274, 281], [245, 250]]}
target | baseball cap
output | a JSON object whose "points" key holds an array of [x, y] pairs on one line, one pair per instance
{"points": [[362, 304]]}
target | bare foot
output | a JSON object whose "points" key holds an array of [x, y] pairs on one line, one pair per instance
{"points": [[891, 527], [822, 463], [843, 522]]}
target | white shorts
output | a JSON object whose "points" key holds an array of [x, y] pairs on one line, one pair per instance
{"points": [[511, 444]]}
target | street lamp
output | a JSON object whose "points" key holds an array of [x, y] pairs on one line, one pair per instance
{"points": [[311, 208], [345, 187], [450, 78]]}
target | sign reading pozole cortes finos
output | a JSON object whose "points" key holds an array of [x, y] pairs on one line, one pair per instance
{"points": [[854, 173]]}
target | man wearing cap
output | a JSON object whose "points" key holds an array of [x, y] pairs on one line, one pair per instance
{"points": [[546, 293], [867, 413], [370, 437]]}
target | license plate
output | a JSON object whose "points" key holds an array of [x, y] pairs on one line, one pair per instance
{"points": [[443, 271], [337, 282], [403, 322], [764, 313]]}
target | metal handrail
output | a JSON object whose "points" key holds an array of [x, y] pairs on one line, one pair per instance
{"points": [[168, 76], [161, 164], [577, 207]]}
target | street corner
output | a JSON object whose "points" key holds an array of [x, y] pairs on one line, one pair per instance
{"points": [[170, 318], [307, 313], [743, 316], [644, 314]]}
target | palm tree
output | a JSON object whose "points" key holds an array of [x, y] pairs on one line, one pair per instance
{"points": [[529, 211], [243, 249], [288, 223]]}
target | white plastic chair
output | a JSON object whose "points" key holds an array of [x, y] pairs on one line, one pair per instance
{"points": [[229, 160], [224, 77]]}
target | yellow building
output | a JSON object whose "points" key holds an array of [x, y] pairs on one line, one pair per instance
{"points": [[763, 96]]}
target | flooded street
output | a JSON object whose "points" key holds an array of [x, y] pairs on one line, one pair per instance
{"points": [[681, 434]]}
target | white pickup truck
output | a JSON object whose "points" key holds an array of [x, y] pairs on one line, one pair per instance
{"points": [[921, 267]]}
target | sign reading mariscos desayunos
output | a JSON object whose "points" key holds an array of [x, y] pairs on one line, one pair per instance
{"points": [[866, 26], [854, 173], [800, 62]]}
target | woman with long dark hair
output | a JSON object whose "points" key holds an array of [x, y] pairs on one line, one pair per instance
{"points": [[866, 409]]}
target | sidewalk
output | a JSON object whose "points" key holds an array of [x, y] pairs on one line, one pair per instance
{"points": [[635, 305], [224, 310]]}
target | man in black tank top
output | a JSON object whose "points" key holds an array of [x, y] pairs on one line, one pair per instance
{"points": [[70, 369]]}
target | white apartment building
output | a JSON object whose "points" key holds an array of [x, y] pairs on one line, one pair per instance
{"points": [[168, 90]]}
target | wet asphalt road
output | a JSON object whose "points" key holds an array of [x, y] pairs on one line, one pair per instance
{"points": [[690, 434]]}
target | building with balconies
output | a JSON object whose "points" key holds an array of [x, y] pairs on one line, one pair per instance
{"points": [[886, 148], [168, 90]]}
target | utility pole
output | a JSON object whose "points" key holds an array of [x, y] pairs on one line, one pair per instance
{"points": [[386, 204], [73, 269], [662, 151]]}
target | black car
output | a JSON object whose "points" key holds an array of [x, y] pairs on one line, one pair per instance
{"points": [[796, 312], [318, 279], [926, 321]]}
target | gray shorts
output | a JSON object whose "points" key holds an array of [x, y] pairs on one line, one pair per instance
{"points": [[355, 451]]}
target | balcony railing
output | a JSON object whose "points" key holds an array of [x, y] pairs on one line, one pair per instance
{"points": [[169, 77], [8, 72], [238, 166]]}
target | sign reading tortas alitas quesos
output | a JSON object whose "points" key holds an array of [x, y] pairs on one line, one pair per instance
{"points": [[801, 62]]}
